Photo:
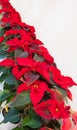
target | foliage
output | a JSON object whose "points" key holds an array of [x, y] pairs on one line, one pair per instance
{"points": [[34, 88]]}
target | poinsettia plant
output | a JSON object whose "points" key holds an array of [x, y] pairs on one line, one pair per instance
{"points": [[34, 90]]}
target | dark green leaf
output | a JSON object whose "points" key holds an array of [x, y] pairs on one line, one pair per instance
{"points": [[21, 100], [17, 128], [11, 80], [4, 95], [12, 116], [3, 54], [9, 87], [3, 69], [38, 58], [31, 122], [24, 54], [1, 31], [20, 53], [2, 77]]}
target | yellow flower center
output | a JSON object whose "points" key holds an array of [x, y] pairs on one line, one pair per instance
{"points": [[57, 110], [35, 86]]}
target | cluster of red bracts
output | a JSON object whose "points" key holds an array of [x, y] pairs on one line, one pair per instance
{"points": [[34, 67]]}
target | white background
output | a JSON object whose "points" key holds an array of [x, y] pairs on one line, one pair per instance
{"points": [[55, 22]]}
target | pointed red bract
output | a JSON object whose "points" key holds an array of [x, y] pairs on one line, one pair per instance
{"points": [[7, 63], [22, 87], [1, 39], [69, 94], [18, 73], [42, 109], [37, 91], [27, 62], [67, 124]]}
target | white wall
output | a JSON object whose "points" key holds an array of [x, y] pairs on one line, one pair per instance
{"points": [[56, 25]]}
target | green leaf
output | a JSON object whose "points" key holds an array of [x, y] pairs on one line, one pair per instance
{"points": [[12, 116], [3, 54], [11, 80], [17, 128], [31, 122], [38, 58], [9, 87], [20, 53], [3, 69], [1, 31], [25, 121], [21, 100], [4, 95], [2, 77]]}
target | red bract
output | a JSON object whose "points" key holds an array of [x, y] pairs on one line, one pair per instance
{"points": [[69, 94], [18, 73], [37, 91], [1, 39], [7, 63], [42, 69], [4, 1], [44, 52], [26, 62], [42, 109], [64, 81], [27, 28], [74, 117], [66, 124], [22, 87]]}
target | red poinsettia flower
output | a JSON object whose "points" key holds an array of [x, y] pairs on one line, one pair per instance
{"points": [[59, 110], [37, 90], [52, 109], [8, 15]]}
